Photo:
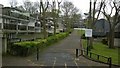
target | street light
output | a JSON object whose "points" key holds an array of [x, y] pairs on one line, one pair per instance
{"points": [[94, 6], [89, 25]]}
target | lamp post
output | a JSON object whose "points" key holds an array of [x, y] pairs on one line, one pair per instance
{"points": [[87, 18], [89, 26], [94, 6]]}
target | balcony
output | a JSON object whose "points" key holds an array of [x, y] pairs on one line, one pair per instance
{"points": [[31, 28], [22, 27], [10, 26], [37, 29], [15, 15]]}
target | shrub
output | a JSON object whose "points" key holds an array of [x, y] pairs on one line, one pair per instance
{"points": [[104, 41], [23, 48], [50, 34], [28, 47], [83, 36]]}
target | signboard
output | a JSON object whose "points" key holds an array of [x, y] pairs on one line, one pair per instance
{"points": [[88, 32]]}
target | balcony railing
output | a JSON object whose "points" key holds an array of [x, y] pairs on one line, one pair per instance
{"points": [[16, 15], [31, 28], [10, 26], [23, 27]]}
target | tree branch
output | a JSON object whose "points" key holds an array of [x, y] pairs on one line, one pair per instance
{"points": [[118, 20], [106, 15], [99, 10], [47, 6], [112, 7]]}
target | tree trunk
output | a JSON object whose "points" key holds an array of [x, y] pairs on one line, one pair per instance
{"points": [[91, 42], [44, 26], [90, 25], [111, 38], [54, 27], [69, 27]]}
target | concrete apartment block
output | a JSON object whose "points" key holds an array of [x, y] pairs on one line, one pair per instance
{"points": [[1, 35], [16, 25]]}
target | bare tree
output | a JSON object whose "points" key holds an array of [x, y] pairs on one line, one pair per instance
{"points": [[112, 17], [13, 3], [31, 7], [21, 7], [92, 18], [55, 13], [68, 9], [27, 5], [43, 9]]}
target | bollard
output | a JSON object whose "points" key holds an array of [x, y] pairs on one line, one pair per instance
{"points": [[76, 53], [87, 50], [110, 62], [37, 54], [98, 57]]}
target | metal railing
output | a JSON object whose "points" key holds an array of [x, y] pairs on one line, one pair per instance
{"points": [[93, 56]]}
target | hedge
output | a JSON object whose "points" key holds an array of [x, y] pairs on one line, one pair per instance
{"points": [[28, 47]]}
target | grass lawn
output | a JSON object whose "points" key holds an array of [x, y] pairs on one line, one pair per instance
{"points": [[101, 49]]}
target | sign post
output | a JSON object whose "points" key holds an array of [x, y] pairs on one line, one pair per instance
{"points": [[88, 34]]}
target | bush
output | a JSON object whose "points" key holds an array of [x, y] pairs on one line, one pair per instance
{"points": [[28, 47], [83, 36], [50, 34], [23, 48], [104, 41]]}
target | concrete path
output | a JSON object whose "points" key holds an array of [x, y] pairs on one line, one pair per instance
{"points": [[60, 54]]}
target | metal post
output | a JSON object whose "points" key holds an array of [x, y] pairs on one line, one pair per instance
{"points": [[87, 44], [76, 53], [98, 57], [110, 62], [37, 53]]}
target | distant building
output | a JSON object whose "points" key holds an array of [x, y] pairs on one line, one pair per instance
{"points": [[79, 24], [16, 25], [117, 35], [117, 30], [100, 28]]}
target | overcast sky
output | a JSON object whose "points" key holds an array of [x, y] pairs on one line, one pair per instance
{"points": [[82, 5]]}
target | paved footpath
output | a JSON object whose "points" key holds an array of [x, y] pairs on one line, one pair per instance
{"points": [[60, 54]]}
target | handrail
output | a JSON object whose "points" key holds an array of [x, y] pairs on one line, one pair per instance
{"points": [[83, 51]]}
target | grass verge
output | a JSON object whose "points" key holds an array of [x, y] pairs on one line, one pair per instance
{"points": [[102, 49]]}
